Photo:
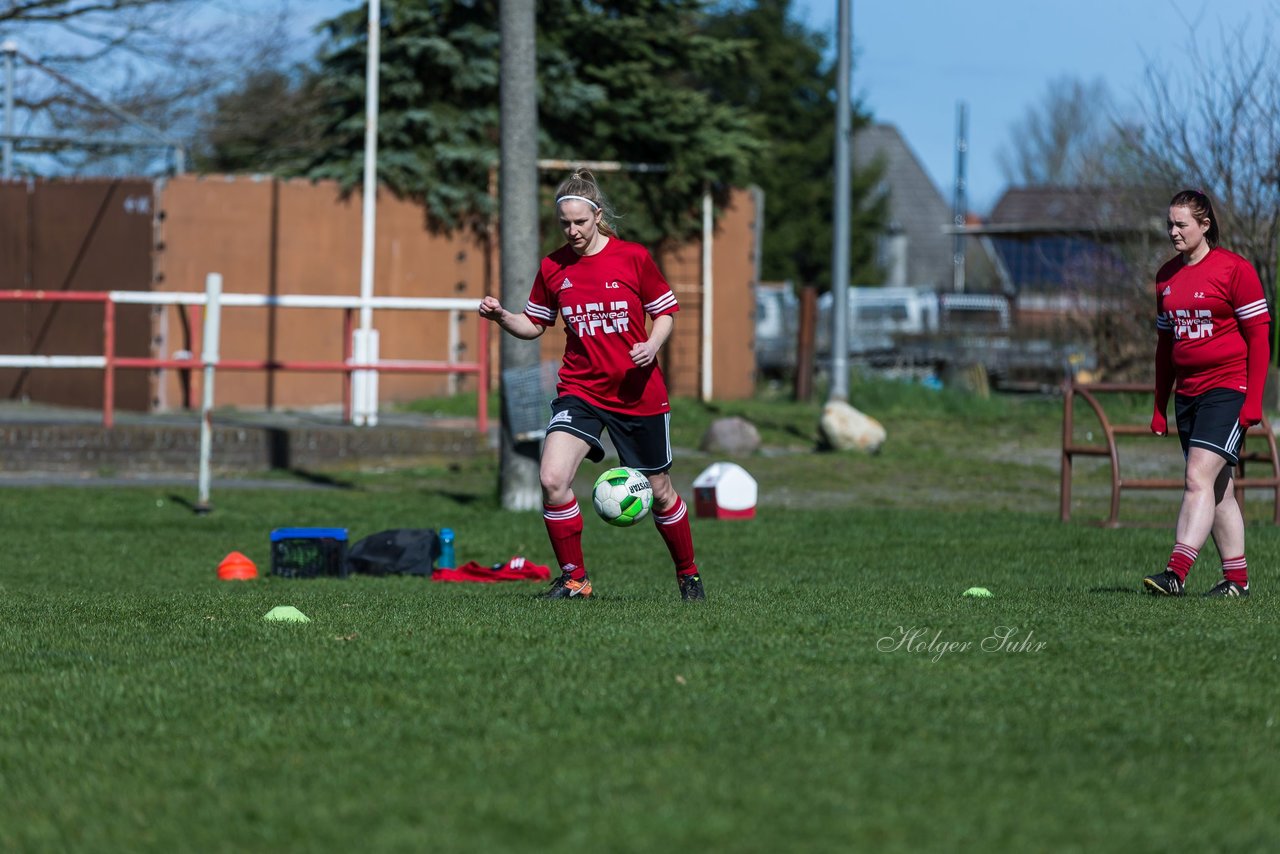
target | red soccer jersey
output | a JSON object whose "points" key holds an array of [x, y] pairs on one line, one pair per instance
{"points": [[604, 300], [1204, 307]]}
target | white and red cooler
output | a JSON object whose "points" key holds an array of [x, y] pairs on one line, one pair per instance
{"points": [[724, 491]]}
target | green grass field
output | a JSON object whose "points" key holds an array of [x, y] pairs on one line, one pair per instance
{"points": [[836, 692]]}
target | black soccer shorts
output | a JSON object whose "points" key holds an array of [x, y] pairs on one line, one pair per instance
{"points": [[643, 441], [1211, 421]]}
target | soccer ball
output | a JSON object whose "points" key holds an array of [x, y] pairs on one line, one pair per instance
{"points": [[622, 496]]}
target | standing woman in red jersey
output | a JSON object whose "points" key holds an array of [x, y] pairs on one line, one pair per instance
{"points": [[1213, 350], [605, 289]]}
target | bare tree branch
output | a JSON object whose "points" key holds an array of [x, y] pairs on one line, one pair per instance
{"points": [[165, 62], [45, 11], [1056, 142]]}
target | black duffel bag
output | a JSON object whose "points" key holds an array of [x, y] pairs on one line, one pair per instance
{"points": [[401, 551]]}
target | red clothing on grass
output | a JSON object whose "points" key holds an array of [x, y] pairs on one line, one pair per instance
{"points": [[1206, 307], [516, 569], [604, 300]]}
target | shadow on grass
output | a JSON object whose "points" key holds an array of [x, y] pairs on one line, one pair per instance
{"points": [[182, 501], [1132, 591], [317, 479], [462, 499]]}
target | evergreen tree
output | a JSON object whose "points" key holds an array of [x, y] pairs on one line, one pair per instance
{"points": [[438, 105], [619, 80], [708, 96], [262, 126]]}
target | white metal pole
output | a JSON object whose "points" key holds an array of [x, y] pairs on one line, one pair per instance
{"points": [[10, 48], [365, 410], [708, 235], [212, 329], [455, 347]]}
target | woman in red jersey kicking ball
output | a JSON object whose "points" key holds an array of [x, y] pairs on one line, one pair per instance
{"points": [[1213, 350], [604, 288]]}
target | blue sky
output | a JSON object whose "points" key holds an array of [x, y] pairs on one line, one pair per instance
{"points": [[915, 59]]}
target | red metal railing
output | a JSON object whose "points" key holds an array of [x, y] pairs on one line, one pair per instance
{"points": [[109, 362]]}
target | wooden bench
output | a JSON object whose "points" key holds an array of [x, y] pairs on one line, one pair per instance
{"points": [[1090, 392]]}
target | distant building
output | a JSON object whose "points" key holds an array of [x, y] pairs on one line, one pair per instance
{"points": [[1074, 260], [1051, 240], [917, 247]]}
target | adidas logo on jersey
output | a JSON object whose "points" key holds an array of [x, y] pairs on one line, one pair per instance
{"points": [[1166, 293], [566, 284]]}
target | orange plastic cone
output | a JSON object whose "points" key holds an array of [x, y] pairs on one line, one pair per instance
{"points": [[237, 567]]}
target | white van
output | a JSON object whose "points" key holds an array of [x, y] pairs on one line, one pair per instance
{"points": [[777, 326], [974, 312], [882, 320], [878, 316]]}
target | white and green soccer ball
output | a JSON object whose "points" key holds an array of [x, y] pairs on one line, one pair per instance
{"points": [[622, 496]]}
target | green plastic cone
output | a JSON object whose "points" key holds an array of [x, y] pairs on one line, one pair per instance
{"points": [[286, 614]]}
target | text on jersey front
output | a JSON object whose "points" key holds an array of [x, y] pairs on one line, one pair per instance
{"points": [[592, 316], [1192, 323]]}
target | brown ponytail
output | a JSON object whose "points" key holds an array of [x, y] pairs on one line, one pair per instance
{"points": [[1201, 208]]}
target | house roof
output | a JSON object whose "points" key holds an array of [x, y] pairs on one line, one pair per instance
{"points": [[917, 210], [1064, 237], [1059, 210]]}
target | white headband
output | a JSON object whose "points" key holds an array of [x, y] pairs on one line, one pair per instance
{"points": [[594, 206]]}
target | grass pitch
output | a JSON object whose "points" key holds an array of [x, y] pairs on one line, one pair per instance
{"points": [[836, 692]]}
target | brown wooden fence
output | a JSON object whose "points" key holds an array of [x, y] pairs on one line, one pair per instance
{"points": [[69, 236], [268, 236]]}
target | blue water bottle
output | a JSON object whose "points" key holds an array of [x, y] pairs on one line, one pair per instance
{"points": [[446, 559]]}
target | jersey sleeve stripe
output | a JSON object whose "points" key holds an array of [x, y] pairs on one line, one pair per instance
{"points": [[663, 303], [539, 312], [1253, 309], [1163, 322]]}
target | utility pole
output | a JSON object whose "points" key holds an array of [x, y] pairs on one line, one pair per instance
{"points": [[960, 205], [518, 223], [840, 235], [10, 48]]}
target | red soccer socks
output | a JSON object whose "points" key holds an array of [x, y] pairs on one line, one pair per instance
{"points": [[673, 525], [564, 527], [1180, 560], [1235, 569]]}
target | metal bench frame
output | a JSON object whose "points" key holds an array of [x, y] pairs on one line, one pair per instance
{"points": [[1090, 392]]}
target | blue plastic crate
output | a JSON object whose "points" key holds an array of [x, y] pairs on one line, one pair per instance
{"points": [[309, 552]]}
